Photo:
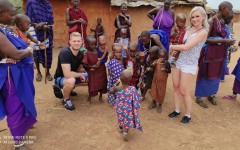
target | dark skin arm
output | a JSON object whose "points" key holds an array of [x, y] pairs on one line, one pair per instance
{"points": [[102, 29], [173, 14], [8, 49], [129, 22], [104, 55], [117, 88], [216, 41], [156, 39], [42, 46], [68, 22], [152, 13]]}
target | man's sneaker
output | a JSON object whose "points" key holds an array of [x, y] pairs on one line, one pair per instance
{"points": [[185, 120], [173, 114], [68, 104], [73, 93], [57, 91]]}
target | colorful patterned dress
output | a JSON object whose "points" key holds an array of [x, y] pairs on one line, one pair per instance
{"points": [[115, 68], [128, 104]]}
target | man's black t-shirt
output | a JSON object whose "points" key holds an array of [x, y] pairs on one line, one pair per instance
{"points": [[66, 57]]}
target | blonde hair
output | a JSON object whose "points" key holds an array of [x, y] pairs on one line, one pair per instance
{"points": [[203, 12], [75, 34]]}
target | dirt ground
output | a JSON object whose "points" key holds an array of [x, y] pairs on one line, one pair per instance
{"points": [[95, 127]]}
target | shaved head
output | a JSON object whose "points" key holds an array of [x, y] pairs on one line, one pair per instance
{"points": [[102, 39], [145, 34], [90, 38], [125, 77], [133, 46], [19, 18], [225, 4], [181, 16], [5, 5]]}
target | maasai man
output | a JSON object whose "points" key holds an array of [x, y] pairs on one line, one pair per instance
{"points": [[212, 56], [163, 17], [76, 19], [41, 14], [16, 79], [151, 38]]}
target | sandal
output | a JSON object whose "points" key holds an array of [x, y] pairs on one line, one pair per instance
{"points": [[201, 103], [49, 77], [212, 100], [229, 97], [39, 77], [152, 105]]}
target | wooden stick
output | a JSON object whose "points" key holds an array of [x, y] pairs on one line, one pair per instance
{"points": [[82, 35], [45, 54]]}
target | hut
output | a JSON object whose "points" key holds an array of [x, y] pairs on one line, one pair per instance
{"points": [[236, 16], [108, 10]]}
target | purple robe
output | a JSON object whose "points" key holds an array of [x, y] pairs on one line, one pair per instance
{"points": [[163, 21]]}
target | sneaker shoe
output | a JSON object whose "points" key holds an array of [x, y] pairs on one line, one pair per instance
{"points": [[57, 91], [68, 104], [201, 103], [73, 93], [185, 120], [173, 114]]}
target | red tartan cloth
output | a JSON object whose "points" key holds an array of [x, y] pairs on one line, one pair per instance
{"points": [[179, 35], [97, 79], [75, 15], [135, 76]]}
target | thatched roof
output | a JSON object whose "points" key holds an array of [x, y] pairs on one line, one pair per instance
{"points": [[136, 3]]}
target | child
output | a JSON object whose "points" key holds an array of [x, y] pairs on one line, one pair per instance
{"points": [[124, 41], [127, 105], [102, 49], [149, 71], [98, 30], [177, 35], [159, 82], [132, 65], [22, 26], [95, 72], [141, 71], [115, 67]]}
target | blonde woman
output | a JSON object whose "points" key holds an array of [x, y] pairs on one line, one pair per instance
{"points": [[187, 63]]}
